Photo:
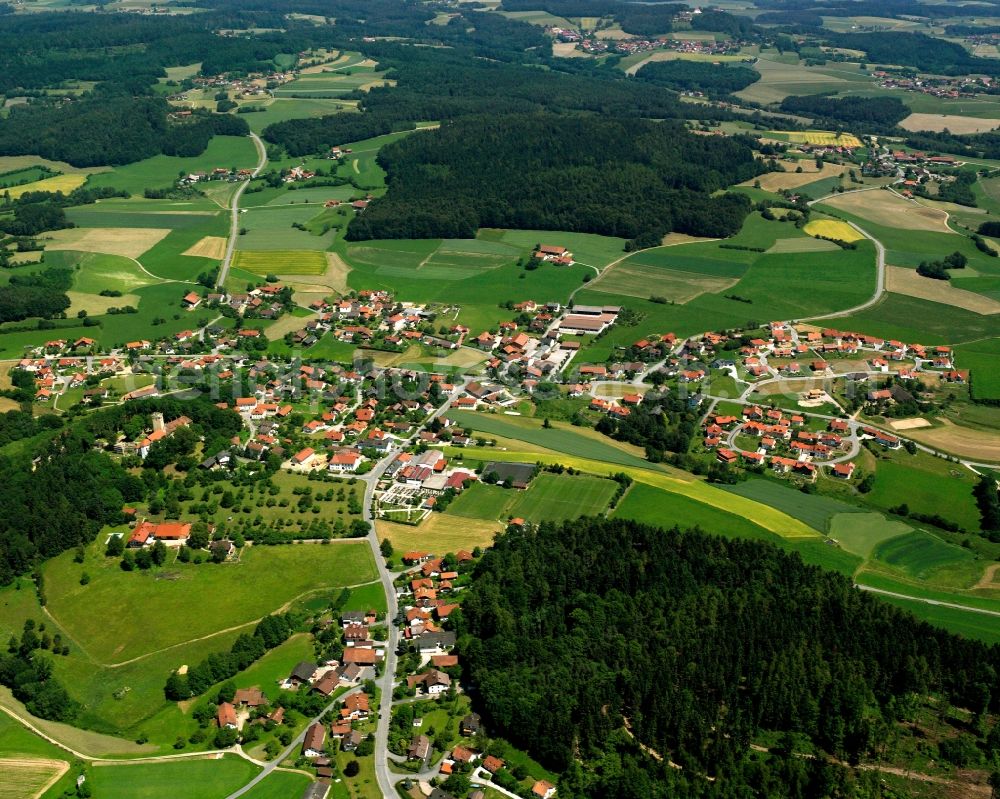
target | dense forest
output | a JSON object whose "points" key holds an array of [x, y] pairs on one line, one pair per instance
{"points": [[109, 130], [975, 145], [875, 114], [919, 50], [629, 178], [698, 76], [581, 635]]}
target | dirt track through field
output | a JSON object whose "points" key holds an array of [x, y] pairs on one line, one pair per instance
{"points": [[988, 580]]}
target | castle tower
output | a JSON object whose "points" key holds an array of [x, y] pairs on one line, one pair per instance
{"points": [[158, 425]]}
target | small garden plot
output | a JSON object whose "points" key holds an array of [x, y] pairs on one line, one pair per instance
{"points": [[281, 262]]}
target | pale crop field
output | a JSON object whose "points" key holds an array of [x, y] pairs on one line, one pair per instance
{"points": [[26, 778], [130, 242], [906, 281], [775, 181], [889, 209], [951, 122], [822, 138], [208, 247], [63, 183]]}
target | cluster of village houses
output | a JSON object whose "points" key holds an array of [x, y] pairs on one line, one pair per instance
{"points": [[913, 168], [938, 86]]}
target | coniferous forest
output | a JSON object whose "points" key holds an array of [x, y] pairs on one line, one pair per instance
{"points": [[630, 178], [582, 635]]}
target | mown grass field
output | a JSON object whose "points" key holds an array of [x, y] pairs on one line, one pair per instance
{"points": [[271, 228], [208, 778], [861, 533], [977, 626], [439, 533], [282, 262]]}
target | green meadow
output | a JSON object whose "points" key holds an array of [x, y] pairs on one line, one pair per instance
{"points": [[983, 359], [201, 778], [162, 170], [549, 497], [920, 321]]}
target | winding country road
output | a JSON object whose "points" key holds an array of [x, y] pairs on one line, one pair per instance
{"points": [[234, 224], [879, 268]]}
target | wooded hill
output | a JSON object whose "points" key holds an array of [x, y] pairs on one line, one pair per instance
{"points": [[695, 643], [628, 178], [698, 76]]}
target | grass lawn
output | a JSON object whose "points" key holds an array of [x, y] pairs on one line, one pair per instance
{"points": [[191, 778], [271, 228], [366, 597], [162, 170], [482, 501], [119, 614]]}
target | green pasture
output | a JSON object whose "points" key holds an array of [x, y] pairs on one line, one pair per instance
{"points": [[194, 778], [280, 785], [982, 358], [927, 485], [482, 501], [270, 228], [96, 272], [262, 580], [366, 597], [162, 170], [920, 321], [282, 109], [166, 259]]}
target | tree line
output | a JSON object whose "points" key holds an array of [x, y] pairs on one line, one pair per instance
{"points": [[628, 178], [583, 635], [78, 132], [698, 76], [874, 113]]}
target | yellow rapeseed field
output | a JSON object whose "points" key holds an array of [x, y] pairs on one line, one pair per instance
{"points": [[832, 229]]}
